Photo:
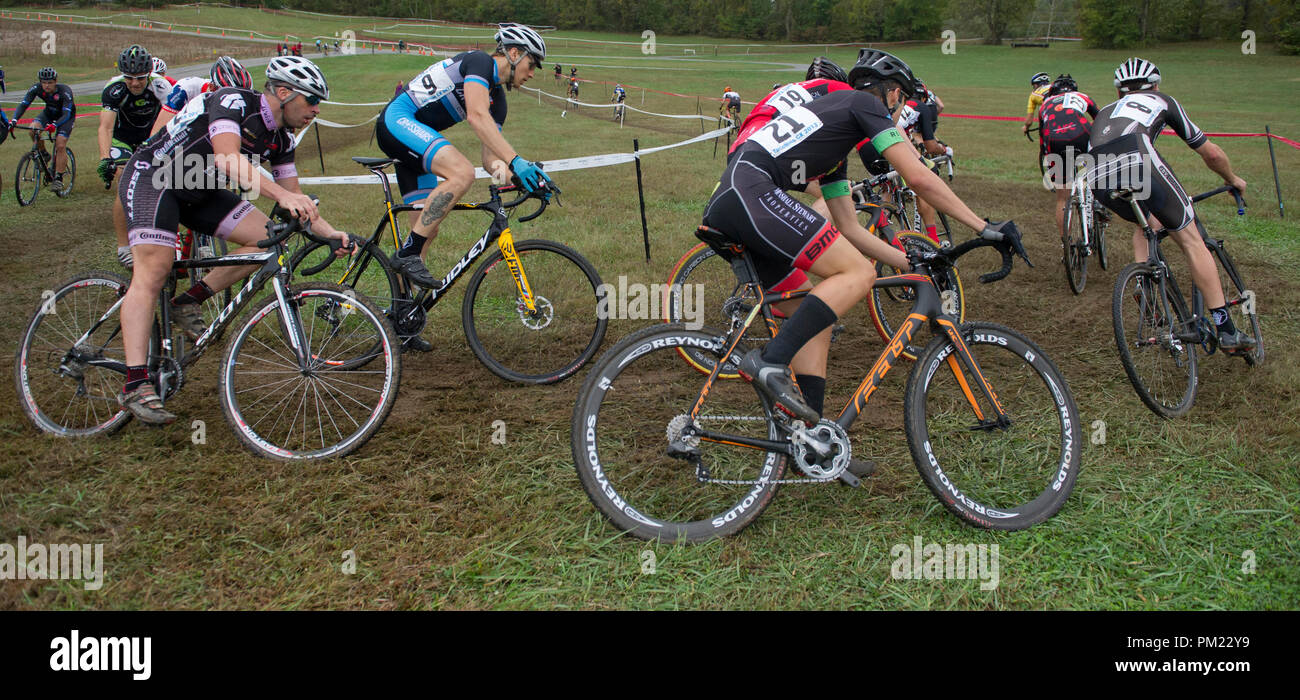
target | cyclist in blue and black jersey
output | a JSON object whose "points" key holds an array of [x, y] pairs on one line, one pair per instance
{"points": [[470, 86], [58, 117], [620, 96]]}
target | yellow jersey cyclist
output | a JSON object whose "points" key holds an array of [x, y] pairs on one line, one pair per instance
{"points": [[786, 238], [470, 86], [1041, 83], [216, 133], [58, 117], [1122, 144]]}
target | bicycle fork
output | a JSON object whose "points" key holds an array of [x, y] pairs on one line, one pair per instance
{"points": [[523, 290]]}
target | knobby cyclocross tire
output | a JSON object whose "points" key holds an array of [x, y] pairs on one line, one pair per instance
{"points": [[1074, 253], [80, 400], [70, 177], [1244, 307], [890, 305], [636, 393], [999, 478], [1100, 222], [335, 321], [543, 347], [716, 283], [1160, 366]]}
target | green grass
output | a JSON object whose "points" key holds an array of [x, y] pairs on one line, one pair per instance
{"points": [[439, 517]]}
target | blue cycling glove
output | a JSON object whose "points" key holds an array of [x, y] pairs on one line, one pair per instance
{"points": [[529, 173]]}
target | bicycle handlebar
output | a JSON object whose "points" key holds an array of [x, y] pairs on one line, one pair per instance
{"points": [[1007, 243], [1236, 194]]}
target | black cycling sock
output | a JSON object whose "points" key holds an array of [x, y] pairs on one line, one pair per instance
{"points": [[812, 317], [135, 376], [1223, 320], [814, 390], [414, 244], [197, 294]]}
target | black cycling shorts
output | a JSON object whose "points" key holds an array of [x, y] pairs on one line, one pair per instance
{"points": [[154, 215], [40, 120], [1059, 156], [1132, 161], [784, 236]]}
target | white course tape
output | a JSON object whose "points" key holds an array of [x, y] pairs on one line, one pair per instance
{"points": [[552, 166], [355, 104], [336, 125], [612, 105]]}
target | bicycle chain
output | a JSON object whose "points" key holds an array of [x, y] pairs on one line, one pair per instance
{"points": [[738, 482]]}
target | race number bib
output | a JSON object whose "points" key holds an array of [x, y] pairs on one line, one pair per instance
{"points": [[787, 130], [1142, 109], [788, 97], [431, 85], [188, 114], [1074, 101]]}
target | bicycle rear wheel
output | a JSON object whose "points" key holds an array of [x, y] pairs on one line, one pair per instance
{"points": [[636, 399], [280, 412], [69, 177], [67, 388], [545, 346], [1075, 251], [27, 179], [1100, 222], [1007, 477], [1242, 304], [890, 305], [1160, 366]]}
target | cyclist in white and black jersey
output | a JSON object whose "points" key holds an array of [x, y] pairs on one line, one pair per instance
{"points": [[807, 143], [470, 86], [217, 134], [1126, 129]]}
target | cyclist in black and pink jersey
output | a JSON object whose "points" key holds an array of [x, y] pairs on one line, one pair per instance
{"points": [[173, 179], [1122, 143], [806, 143], [1065, 125], [58, 117]]}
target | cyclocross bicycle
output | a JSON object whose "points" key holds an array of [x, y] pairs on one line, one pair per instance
{"points": [[534, 319], [989, 419], [1083, 232], [1155, 330], [283, 386], [906, 214], [36, 167]]}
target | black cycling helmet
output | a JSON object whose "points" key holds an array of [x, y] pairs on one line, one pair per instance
{"points": [[1040, 79], [227, 72], [135, 60], [47, 73], [1063, 83], [874, 66], [825, 68]]}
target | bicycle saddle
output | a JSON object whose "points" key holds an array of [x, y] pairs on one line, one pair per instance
{"points": [[719, 242], [374, 162]]}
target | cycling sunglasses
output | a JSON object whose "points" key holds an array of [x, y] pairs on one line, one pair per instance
{"points": [[312, 100]]}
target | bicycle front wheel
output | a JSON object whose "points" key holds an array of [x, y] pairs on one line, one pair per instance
{"points": [[543, 346], [1075, 251], [699, 286], [27, 179], [1148, 319], [1006, 476], [282, 412], [634, 403], [1100, 222], [66, 387]]}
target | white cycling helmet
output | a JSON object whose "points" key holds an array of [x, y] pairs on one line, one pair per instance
{"points": [[159, 66], [1136, 74], [518, 35], [299, 74]]}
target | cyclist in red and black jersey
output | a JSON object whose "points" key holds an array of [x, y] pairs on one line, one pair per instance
{"points": [[1063, 135], [808, 143], [216, 134], [1122, 143]]}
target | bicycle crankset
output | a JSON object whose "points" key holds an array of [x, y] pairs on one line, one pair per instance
{"points": [[823, 451]]}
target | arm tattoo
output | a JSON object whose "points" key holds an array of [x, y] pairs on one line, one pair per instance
{"points": [[436, 209]]}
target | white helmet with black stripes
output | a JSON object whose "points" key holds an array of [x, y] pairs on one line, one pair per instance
{"points": [[525, 38], [298, 74], [1136, 74]]}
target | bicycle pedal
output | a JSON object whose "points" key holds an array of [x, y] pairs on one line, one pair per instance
{"points": [[849, 480]]}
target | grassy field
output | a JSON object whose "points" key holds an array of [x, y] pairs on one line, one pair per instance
{"points": [[440, 517]]}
